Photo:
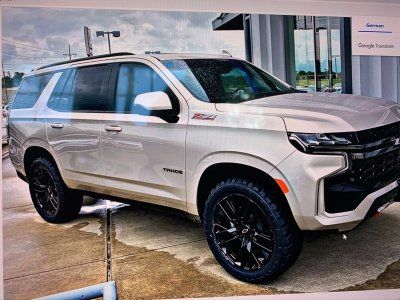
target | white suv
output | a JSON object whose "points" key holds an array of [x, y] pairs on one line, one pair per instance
{"points": [[251, 157]]}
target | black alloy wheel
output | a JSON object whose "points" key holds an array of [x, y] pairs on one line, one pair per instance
{"points": [[250, 230], [243, 232], [53, 200], [44, 191]]}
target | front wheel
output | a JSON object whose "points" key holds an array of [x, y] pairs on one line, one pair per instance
{"points": [[52, 199], [250, 232]]}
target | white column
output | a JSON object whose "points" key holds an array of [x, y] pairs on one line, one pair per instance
{"points": [[268, 43], [377, 76]]}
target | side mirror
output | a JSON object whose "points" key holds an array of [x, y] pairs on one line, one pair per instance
{"points": [[154, 101]]}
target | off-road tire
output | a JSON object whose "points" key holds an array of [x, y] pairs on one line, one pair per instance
{"points": [[287, 237], [69, 202]]}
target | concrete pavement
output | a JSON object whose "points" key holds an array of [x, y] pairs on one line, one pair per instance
{"points": [[159, 255]]}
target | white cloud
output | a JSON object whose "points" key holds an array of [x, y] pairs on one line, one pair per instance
{"points": [[53, 29], [147, 26]]}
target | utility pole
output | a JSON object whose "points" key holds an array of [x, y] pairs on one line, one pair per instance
{"points": [[4, 76], [69, 54]]}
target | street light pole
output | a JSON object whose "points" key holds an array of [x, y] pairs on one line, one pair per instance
{"points": [[113, 33], [109, 43]]}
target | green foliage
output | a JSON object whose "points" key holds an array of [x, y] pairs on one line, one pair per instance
{"points": [[12, 81]]}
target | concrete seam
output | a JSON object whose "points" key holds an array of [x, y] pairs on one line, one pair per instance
{"points": [[156, 249], [53, 270], [108, 241]]}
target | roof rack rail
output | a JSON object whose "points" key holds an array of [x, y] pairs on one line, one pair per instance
{"points": [[85, 59]]}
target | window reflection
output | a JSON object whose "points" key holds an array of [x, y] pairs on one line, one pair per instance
{"points": [[135, 79]]}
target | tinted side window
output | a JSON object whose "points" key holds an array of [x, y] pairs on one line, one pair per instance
{"points": [[30, 90], [82, 89], [90, 88], [135, 79]]}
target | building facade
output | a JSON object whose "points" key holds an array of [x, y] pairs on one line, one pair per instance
{"points": [[314, 54]]}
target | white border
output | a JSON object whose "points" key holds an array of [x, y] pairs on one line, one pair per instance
{"points": [[390, 8], [341, 8], [1, 164]]}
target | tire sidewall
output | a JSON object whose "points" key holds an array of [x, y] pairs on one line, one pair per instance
{"points": [[69, 202], [43, 163], [258, 197]]}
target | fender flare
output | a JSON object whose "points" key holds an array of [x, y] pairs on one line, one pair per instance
{"points": [[193, 177], [36, 142]]}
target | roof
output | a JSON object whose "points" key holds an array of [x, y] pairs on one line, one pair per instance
{"points": [[161, 56], [166, 56], [90, 58]]}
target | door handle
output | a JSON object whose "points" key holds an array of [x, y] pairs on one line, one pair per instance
{"points": [[57, 125], [113, 128]]}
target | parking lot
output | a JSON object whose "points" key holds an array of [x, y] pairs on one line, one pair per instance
{"points": [[156, 254]]}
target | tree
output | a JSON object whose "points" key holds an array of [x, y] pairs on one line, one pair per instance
{"points": [[302, 73], [16, 80], [13, 81]]}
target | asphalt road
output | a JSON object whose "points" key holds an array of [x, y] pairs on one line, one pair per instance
{"points": [[155, 254]]}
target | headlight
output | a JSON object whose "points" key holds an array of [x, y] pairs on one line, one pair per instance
{"points": [[319, 142]]}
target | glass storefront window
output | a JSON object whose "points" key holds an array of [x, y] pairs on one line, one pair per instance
{"points": [[317, 54], [304, 54]]}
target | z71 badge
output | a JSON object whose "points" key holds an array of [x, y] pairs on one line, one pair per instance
{"points": [[198, 116]]}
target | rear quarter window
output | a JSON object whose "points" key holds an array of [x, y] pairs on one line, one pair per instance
{"points": [[30, 90]]}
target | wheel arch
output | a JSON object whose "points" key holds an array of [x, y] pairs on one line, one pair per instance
{"points": [[215, 173], [33, 152]]}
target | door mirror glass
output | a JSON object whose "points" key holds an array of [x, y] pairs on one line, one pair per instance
{"points": [[153, 101]]}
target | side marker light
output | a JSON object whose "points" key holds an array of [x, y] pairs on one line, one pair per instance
{"points": [[282, 185]]}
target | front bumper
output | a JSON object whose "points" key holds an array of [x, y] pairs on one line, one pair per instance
{"points": [[306, 177], [367, 207]]}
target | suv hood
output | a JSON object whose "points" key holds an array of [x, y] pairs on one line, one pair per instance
{"points": [[321, 112]]}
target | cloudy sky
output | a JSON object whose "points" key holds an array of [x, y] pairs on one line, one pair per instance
{"points": [[36, 36]]}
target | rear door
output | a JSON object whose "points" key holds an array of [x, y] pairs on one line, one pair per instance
{"points": [[74, 123], [144, 157]]}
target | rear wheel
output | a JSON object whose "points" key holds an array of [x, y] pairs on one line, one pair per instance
{"points": [[54, 202], [250, 232]]}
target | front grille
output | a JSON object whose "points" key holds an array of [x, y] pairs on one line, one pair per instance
{"points": [[378, 163], [376, 170], [378, 133], [374, 165]]}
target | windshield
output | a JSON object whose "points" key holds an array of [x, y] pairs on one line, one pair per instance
{"points": [[225, 80]]}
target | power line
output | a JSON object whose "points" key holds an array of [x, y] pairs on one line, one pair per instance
{"points": [[19, 48], [23, 64], [25, 60], [20, 67], [31, 50], [18, 56], [26, 45], [15, 48], [15, 55]]}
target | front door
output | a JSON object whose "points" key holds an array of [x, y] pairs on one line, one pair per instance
{"points": [[143, 154]]}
